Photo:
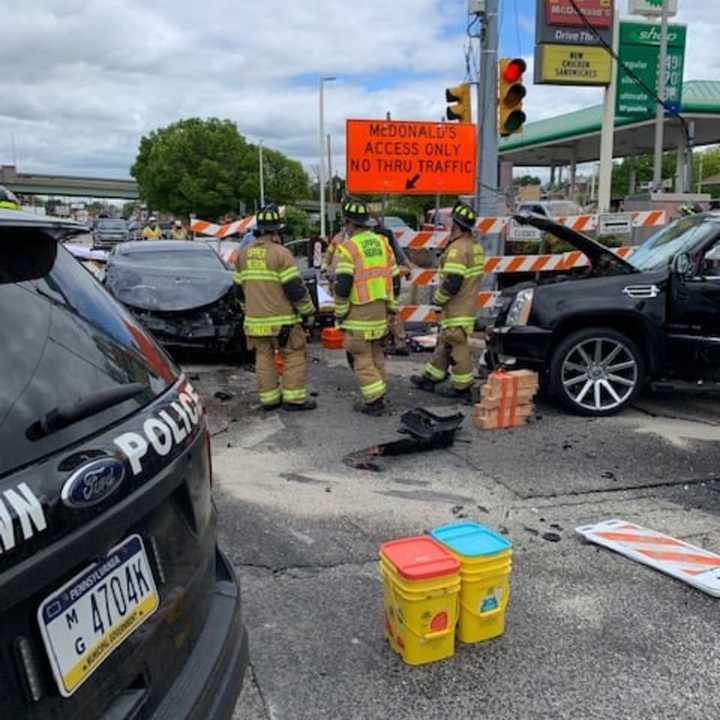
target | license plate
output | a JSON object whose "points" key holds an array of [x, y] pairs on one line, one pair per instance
{"points": [[84, 621]]}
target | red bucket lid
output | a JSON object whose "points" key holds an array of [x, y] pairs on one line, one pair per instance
{"points": [[419, 558]]}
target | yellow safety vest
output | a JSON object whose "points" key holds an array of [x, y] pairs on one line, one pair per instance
{"points": [[369, 259]]}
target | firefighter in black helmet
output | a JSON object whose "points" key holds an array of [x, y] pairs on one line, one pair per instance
{"points": [[460, 274]]}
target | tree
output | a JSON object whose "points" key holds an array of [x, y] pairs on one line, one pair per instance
{"points": [[525, 180], [207, 167]]}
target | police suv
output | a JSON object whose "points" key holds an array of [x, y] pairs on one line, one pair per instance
{"points": [[115, 601]]}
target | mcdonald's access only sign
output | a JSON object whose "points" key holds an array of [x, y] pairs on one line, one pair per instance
{"points": [[410, 158]]}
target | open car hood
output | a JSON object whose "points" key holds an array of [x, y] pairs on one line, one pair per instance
{"points": [[600, 256], [166, 290]]}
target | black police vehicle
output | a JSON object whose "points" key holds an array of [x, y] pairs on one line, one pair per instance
{"points": [[600, 335], [115, 601]]}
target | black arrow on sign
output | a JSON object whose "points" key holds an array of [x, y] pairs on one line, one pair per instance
{"points": [[411, 182]]}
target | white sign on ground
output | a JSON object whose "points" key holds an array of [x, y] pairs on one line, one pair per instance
{"points": [[690, 564]]}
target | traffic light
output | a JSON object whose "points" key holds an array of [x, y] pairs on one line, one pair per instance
{"points": [[459, 96], [511, 92]]}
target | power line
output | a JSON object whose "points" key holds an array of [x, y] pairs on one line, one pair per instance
{"points": [[650, 91]]}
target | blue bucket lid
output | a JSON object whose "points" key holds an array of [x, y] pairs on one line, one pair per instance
{"points": [[471, 539]]}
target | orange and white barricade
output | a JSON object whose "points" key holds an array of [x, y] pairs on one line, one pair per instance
{"points": [[426, 313], [496, 225], [220, 231], [236, 227], [503, 264], [689, 563]]}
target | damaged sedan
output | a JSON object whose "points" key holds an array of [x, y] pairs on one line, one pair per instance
{"points": [[181, 291]]}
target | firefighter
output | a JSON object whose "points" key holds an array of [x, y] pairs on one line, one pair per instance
{"points": [[152, 230], [460, 274], [398, 336], [365, 302], [8, 200], [277, 308], [178, 232]]}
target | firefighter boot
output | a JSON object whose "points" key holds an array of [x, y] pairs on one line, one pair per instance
{"points": [[299, 407], [373, 409], [423, 383]]}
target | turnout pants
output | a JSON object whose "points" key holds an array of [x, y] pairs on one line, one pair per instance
{"points": [[451, 352], [368, 363], [397, 329], [293, 378]]}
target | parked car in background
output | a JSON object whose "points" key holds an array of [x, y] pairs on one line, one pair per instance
{"points": [[184, 293], [109, 232], [392, 222], [599, 335], [115, 600]]}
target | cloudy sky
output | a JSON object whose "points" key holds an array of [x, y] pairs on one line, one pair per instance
{"points": [[83, 80]]}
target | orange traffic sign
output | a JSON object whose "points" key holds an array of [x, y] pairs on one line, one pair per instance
{"points": [[410, 158]]}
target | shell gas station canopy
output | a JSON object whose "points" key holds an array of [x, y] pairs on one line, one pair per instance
{"points": [[575, 137]]}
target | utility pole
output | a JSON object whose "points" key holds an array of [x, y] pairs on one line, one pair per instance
{"points": [[660, 111], [607, 134], [487, 142], [262, 177], [330, 184], [321, 179], [487, 113]]}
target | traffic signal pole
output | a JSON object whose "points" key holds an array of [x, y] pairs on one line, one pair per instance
{"points": [[607, 133], [487, 139]]}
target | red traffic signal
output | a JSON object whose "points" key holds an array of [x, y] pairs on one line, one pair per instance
{"points": [[514, 70]]}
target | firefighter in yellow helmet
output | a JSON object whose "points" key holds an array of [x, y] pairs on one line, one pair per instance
{"points": [[277, 307], [8, 201], [460, 274], [365, 302]]}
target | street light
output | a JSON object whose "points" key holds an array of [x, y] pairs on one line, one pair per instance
{"points": [[322, 154], [262, 177]]}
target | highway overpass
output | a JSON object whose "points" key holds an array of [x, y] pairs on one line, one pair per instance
{"points": [[67, 185]]}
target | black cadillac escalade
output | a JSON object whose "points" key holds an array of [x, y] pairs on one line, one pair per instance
{"points": [[600, 335]]}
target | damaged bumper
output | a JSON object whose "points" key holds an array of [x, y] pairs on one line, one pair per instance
{"points": [[191, 332]]}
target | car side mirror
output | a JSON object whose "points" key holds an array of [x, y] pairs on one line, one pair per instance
{"points": [[682, 265]]}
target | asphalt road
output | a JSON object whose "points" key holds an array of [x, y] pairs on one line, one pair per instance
{"points": [[589, 634]]}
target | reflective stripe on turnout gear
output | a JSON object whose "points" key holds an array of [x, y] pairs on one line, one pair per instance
{"points": [[271, 397], [373, 391], [467, 322], [462, 380], [431, 372], [294, 396], [268, 325]]}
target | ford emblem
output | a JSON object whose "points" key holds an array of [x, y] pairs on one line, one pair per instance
{"points": [[93, 483]]}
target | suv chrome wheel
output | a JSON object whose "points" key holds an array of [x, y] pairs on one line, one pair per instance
{"points": [[599, 374]]}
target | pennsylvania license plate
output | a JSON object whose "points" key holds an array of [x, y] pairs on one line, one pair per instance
{"points": [[84, 621]]}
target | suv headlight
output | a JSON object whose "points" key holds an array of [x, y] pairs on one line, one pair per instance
{"points": [[520, 309]]}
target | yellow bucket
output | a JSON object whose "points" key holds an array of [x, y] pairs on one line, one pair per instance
{"points": [[484, 596], [420, 606], [485, 576]]}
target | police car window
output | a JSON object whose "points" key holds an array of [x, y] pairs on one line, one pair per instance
{"points": [[62, 339]]}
